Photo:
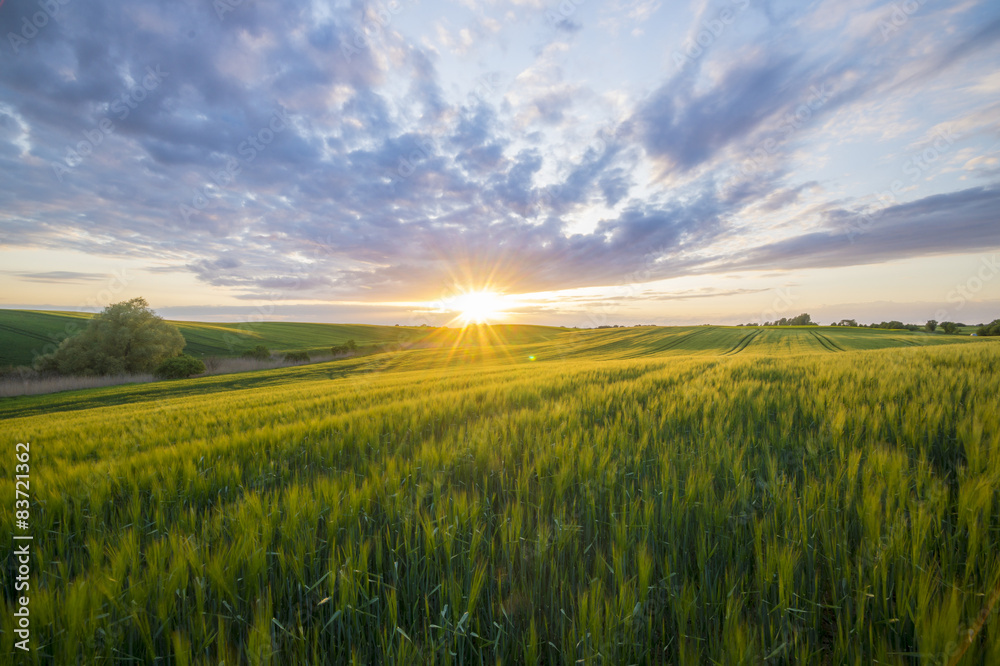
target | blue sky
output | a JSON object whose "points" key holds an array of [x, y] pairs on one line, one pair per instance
{"points": [[619, 162]]}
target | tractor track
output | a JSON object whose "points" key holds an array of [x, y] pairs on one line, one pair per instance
{"points": [[827, 343], [743, 343]]}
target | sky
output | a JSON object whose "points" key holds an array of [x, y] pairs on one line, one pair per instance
{"points": [[594, 163]]}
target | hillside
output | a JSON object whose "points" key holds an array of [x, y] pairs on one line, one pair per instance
{"points": [[26, 333]]}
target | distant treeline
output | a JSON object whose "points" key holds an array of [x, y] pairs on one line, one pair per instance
{"points": [[802, 320], [947, 327]]}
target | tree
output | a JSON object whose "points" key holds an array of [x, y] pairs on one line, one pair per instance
{"points": [[345, 348], [990, 329], [931, 325], [124, 338], [949, 327], [259, 353], [803, 319], [297, 357], [179, 367]]}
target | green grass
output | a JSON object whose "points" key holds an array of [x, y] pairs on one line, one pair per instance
{"points": [[25, 334], [631, 496]]}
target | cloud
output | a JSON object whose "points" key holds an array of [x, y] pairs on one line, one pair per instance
{"points": [[399, 171], [953, 223], [59, 276]]}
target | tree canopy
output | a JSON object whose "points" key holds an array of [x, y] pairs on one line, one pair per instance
{"points": [[802, 320], [124, 338], [992, 328]]}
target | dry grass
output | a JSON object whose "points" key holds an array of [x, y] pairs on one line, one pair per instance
{"points": [[35, 385], [224, 366], [28, 382]]}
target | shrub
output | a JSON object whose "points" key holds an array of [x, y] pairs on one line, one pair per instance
{"points": [[345, 348], [297, 357], [179, 367], [260, 353]]}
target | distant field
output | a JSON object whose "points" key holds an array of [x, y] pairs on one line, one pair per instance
{"points": [[24, 334], [675, 495]]}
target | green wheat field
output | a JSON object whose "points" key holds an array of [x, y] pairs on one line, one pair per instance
{"points": [[520, 495]]}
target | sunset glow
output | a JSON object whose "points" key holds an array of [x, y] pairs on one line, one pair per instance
{"points": [[479, 307]]}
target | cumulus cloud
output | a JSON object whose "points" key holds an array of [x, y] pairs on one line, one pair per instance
{"points": [[385, 178]]}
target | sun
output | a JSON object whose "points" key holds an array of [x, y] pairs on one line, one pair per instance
{"points": [[478, 307]]}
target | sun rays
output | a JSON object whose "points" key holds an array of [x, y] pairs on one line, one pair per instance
{"points": [[478, 307]]}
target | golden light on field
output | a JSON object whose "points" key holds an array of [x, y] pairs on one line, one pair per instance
{"points": [[478, 307]]}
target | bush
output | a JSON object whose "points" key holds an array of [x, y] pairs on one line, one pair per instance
{"points": [[179, 367], [990, 329], [259, 353], [124, 338], [297, 357], [345, 348]]}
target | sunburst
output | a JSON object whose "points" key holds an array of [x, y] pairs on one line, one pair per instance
{"points": [[478, 307]]}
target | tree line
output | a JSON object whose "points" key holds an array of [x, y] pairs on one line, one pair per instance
{"points": [[932, 325]]}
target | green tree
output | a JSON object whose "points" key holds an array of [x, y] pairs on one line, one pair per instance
{"points": [[179, 367], [949, 327], [126, 337], [990, 329], [260, 353], [345, 348], [931, 325], [297, 357]]}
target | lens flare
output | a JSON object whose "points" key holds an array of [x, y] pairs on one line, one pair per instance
{"points": [[478, 307]]}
